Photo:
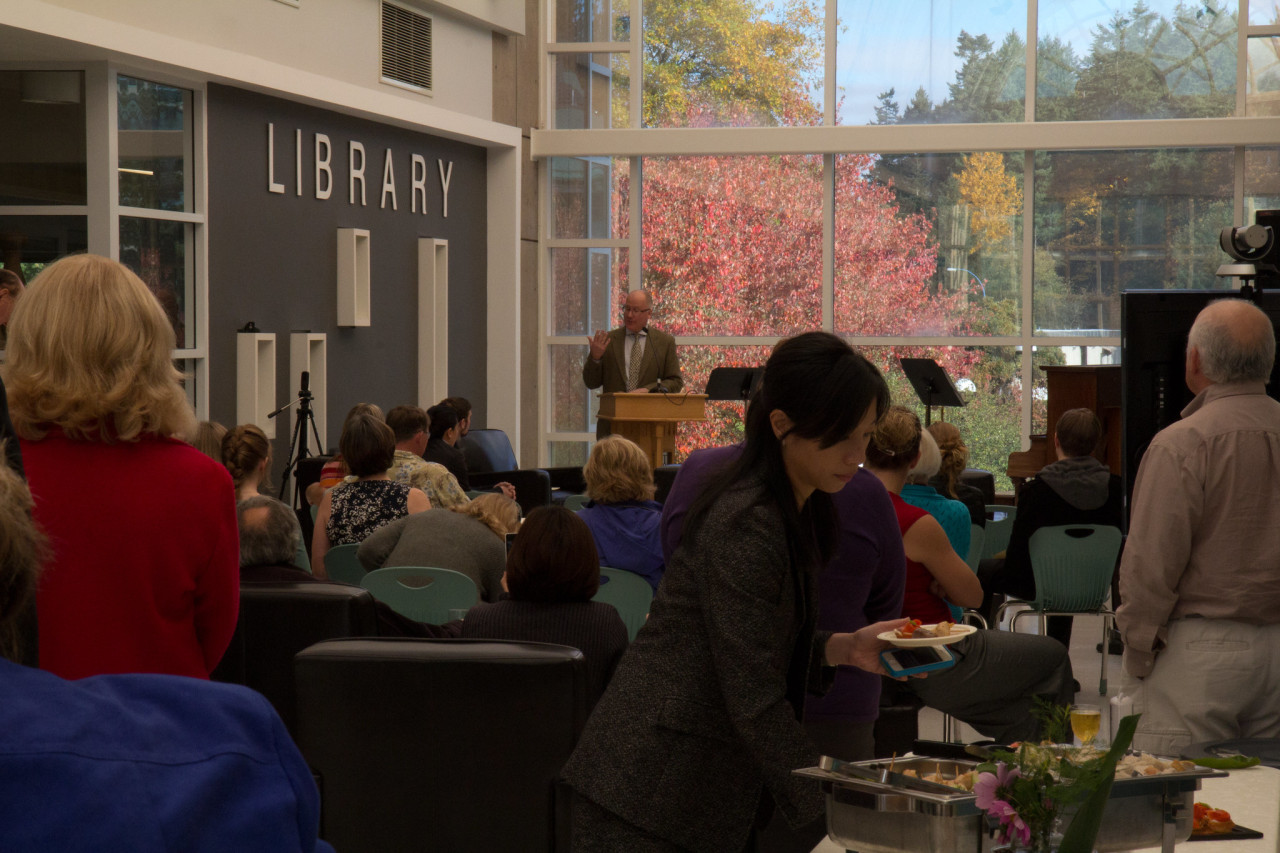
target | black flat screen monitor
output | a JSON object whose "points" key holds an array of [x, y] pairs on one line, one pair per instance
{"points": [[1154, 326]]}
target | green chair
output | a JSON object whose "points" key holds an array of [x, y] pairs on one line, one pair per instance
{"points": [[995, 538], [475, 493], [422, 594], [300, 559], [1073, 565], [340, 564], [629, 594], [977, 541], [576, 502]]}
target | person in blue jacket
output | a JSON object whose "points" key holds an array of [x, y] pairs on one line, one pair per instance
{"points": [[138, 763], [622, 515]]}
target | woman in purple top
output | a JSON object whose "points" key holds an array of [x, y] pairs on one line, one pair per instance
{"points": [[622, 516]]}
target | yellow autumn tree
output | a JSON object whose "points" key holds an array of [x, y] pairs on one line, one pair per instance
{"points": [[992, 194]]}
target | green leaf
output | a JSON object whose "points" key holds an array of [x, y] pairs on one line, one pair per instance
{"points": [[1083, 831]]}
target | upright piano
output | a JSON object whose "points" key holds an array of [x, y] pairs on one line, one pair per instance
{"points": [[1095, 387]]}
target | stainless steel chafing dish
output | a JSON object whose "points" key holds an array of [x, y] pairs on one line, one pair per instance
{"points": [[872, 809]]}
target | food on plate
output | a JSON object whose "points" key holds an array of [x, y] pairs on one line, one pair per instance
{"points": [[913, 630], [1210, 821], [963, 781], [1146, 764]]}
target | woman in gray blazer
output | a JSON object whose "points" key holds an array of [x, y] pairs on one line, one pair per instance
{"points": [[695, 739]]}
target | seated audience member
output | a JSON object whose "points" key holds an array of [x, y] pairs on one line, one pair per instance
{"points": [[861, 586], [410, 425], [351, 511], [471, 539], [208, 439], [1076, 489], [553, 572], [143, 763], [462, 406], [622, 515], [955, 459], [269, 539], [440, 444], [952, 515], [335, 470], [142, 576], [997, 673], [247, 455]]}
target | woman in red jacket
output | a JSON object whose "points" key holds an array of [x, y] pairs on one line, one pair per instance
{"points": [[143, 569]]}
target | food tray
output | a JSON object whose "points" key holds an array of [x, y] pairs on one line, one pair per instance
{"points": [[873, 809]]}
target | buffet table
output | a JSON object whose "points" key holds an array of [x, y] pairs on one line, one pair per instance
{"points": [[1252, 797]]}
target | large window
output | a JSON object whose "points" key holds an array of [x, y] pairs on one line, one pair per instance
{"points": [[770, 187], [148, 213]]}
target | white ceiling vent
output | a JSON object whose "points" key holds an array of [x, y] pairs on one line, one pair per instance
{"points": [[406, 47]]}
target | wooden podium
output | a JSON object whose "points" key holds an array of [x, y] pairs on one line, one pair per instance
{"points": [[650, 419]]}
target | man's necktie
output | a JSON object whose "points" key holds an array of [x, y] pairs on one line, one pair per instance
{"points": [[633, 368]]}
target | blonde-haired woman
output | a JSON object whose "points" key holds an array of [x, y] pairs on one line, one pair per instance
{"points": [[208, 439], [470, 539], [141, 581], [247, 455], [955, 458], [622, 515]]}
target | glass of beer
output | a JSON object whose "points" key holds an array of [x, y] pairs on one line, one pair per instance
{"points": [[1085, 722]]}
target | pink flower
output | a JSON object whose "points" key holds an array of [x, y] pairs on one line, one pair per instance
{"points": [[989, 784]]}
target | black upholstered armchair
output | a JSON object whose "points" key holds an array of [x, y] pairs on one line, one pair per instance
{"points": [[440, 744]]}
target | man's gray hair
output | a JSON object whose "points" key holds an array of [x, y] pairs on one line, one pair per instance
{"points": [[1234, 348], [271, 540]]}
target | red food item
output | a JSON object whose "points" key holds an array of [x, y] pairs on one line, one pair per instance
{"points": [[908, 629], [1207, 820]]}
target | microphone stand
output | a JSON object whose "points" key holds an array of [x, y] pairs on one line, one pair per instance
{"points": [[298, 446]]}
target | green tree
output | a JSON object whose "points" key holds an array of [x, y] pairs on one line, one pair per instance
{"points": [[739, 57]]}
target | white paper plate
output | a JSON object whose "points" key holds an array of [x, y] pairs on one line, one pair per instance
{"points": [[958, 633]]}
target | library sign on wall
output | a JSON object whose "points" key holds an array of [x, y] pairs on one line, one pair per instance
{"points": [[413, 171]]}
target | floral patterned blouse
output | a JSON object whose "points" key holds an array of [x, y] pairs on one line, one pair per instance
{"points": [[357, 509], [432, 477]]}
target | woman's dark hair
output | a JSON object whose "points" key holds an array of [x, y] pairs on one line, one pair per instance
{"points": [[553, 558], [826, 389], [367, 445], [443, 418]]}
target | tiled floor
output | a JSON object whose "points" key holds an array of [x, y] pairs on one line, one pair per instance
{"points": [[1086, 663]]}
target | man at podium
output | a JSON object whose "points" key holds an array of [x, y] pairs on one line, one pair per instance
{"points": [[633, 358]]}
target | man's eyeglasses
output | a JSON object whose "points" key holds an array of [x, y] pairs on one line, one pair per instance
{"points": [[630, 310]]}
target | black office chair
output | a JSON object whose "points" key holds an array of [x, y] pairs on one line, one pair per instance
{"points": [[278, 620], [440, 744], [491, 460]]}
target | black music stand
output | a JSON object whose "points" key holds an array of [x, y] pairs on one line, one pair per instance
{"points": [[932, 384], [733, 383]]}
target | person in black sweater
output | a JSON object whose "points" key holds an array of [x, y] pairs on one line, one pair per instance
{"points": [[442, 435], [1076, 489], [553, 571]]}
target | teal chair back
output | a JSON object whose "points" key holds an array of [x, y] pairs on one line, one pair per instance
{"points": [[977, 541], [300, 559], [340, 564], [995, 537], [1073, 565], [422, 594], [629, 594], [575, 502]]}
